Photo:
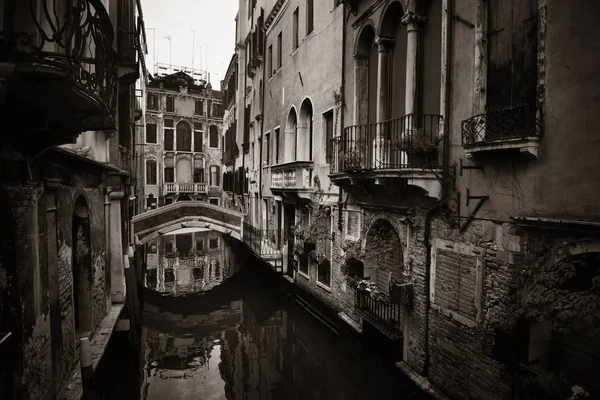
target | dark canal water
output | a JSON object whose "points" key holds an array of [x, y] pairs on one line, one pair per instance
{"points": [[218, 324]]}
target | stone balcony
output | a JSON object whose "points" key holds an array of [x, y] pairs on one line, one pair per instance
{"points": [[192, 187], [293, 178], [406, 150]]}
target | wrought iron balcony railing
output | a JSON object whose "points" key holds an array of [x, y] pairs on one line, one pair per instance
{"points": [[295, 175], [264, 242], [379, 311], [501, 124], [73, 40], [185, 187], [411, 141]]}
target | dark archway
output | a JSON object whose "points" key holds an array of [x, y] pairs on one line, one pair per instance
{"points": [[304, 133], [365, 78], [392, 28], [384, 261], [83, 277]]}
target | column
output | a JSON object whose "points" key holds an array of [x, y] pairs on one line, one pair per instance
{"points": [[380, 144], [107, 254], [361, 89], [117, 273], [414, 23]]}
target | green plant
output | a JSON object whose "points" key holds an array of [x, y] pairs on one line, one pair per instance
{"points": [[422, 143]]}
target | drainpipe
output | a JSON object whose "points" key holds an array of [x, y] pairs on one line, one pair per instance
{"points": [[343, 105], [445, 189]]}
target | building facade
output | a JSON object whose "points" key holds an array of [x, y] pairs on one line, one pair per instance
{"points": [[67, 184], [182, 144], [452, 165]]}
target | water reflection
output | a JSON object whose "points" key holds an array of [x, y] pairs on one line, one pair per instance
{"points": [[238, 337]]}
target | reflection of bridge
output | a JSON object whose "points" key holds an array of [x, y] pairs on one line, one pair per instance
{"points": [[187, 214], [198, 214]]}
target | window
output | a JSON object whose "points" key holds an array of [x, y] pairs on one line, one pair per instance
{"points": [[295, 38], [277, 146], [199, 245], [213, 243], [328, 120], [168, 200], [214, 175], [310, 15], [169, 174], [214, 200], [169, 247], [198, 137], [169, 133], [352, 225], [184, 136], [458, 289], [150, 133], [324, 272], [170, 103], [199, 107], [152, 102], [209, 109], [216, 110], [270, 60], [214, 137], [151, 172], [150, 202], [199, 175], [267, 148], [279, 49]]}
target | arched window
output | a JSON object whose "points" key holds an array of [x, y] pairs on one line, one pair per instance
{"points": [[184, 136], [214, 137], [304, 133], [151, 172]]}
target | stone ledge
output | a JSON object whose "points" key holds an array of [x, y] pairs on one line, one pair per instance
{"points": [[421, 382], [72, 389]]}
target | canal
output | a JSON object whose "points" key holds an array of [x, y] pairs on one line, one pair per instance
{"points": [[219, 324]]}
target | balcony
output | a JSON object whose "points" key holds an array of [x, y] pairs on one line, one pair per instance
{"points": [[407, 148], [185, 188], [379, 311], [513, 129], [60, 61], [293, 178]]}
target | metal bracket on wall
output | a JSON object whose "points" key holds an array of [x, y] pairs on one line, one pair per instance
{"points": [[461, 167], [481, 199]]}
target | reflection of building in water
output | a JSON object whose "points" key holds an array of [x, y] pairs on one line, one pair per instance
{"points": [[188, 262]]}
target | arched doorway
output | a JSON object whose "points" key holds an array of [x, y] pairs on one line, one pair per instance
{"points": [[393, 33], [184, 136], [291, 126], [82, 268], [383, 261], [365, 75], [304, 138]]}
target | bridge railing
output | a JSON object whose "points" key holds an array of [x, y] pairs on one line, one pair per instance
{"points": [[263, 242]]}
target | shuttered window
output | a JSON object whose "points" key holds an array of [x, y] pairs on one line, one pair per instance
{"points": [[512, 38], [455, 282]]}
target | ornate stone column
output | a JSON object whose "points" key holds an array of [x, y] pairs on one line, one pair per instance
{"points": [[414, 26], [381, 144]]}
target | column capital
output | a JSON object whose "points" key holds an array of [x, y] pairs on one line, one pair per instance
{"points": [[413, 18], [383, 43]]}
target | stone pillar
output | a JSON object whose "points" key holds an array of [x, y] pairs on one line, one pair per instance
{"points": [[414, 23], [383, 77], [107, 254], [361, 89], [117, 274]]}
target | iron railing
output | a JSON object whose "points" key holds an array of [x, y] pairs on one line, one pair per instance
{"points": [[505, 123], [263, 242], [411, 141], [76, 39], [379, 311]]}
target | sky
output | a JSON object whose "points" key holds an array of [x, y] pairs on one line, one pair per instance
{"points": [[214, 39]]}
